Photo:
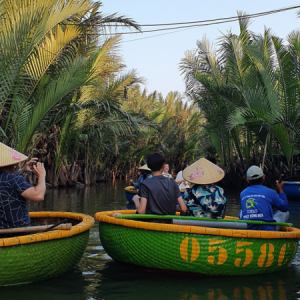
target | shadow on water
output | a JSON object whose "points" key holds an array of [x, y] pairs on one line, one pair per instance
{"points": [[97, 276]]}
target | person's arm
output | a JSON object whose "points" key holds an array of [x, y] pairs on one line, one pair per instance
{"points": [[143, 195], [141, 209], [137, 185], [182, 206], [136, 201], [37, 193], [179, 178], [280, 201]]}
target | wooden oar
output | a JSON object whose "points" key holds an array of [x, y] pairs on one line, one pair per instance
{"points": [[55, 225], [41, 228], [168, 217]]}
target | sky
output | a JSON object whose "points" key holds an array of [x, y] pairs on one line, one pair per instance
{"points": [[157, 58]]}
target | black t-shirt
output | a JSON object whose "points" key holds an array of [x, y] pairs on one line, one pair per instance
{"points": [[161, 194]]}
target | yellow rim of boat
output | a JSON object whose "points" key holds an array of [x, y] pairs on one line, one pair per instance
{"points": [[131, 189], [106, 217], [86, 223]]}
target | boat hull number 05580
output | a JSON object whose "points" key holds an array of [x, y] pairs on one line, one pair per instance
{"points": [[243, 255]]}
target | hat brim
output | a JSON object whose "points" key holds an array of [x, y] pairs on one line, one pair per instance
{"points": [[9, 156], [144, 167]]}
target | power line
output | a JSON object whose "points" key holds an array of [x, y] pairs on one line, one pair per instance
{"points": [[212, 20], [202, 22], [152, 36]]}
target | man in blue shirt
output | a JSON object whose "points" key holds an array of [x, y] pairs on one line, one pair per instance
{"points": [[258, 201]]}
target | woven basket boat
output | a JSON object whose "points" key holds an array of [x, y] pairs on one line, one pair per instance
{"points": [[193, 249], [41, 256], [292, 189], [130, 191]]}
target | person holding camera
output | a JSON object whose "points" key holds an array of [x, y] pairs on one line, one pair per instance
{"points": [[14, 189]]}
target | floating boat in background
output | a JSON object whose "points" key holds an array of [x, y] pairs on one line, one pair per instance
{"points": [[130, 191], [193, 249], [292, 189], [40, 256]]}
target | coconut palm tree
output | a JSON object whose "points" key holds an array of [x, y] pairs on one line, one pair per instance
{"points": [[248, 91]]}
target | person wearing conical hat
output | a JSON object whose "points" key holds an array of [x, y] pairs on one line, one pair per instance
{"points": [[204, 198], [145, 174], [14, 189]]}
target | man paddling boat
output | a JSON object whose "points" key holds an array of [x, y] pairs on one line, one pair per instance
{"points": [[14, 189], [258, 201]]}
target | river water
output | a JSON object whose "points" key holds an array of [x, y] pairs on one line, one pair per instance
{"points": [[98, 277]]}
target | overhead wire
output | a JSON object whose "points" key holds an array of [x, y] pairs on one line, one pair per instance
{"points": [[218, 19], [199, 23]]}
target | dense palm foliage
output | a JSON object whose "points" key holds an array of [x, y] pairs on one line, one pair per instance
{"points": [[176, 127], [57, 83], [248, 90], [63, 88]]}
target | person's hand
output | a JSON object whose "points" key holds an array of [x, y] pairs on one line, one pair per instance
{"points": [[39, 170], [279, 186], [28, 167]]}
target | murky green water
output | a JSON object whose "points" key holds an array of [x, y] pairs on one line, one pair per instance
{"points": [[97, 276]]}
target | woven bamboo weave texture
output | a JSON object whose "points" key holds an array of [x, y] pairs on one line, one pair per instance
{"points": [[197, 253]]}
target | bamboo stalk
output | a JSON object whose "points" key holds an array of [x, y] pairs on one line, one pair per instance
{"points": [[66, 226], [168, 217]]}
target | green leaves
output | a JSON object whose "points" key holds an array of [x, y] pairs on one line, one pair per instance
{"points": [[246, 89]]}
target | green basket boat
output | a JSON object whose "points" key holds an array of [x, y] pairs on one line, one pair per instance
{"points": [[41, 256], [193, 249]]}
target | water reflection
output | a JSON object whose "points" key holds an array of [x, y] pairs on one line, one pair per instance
{"points": [[120, 281], [97, 276]]}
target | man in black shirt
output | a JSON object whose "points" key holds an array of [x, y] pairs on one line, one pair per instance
{"points": [[159, 195]]}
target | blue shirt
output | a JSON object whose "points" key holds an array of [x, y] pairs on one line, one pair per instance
{"points": [[205, 201], [13, 208], [257, 202], [141, 178]]}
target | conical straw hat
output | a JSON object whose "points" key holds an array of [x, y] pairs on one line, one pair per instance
{"points": [[144, 167], [203, 172], [9, 156]]}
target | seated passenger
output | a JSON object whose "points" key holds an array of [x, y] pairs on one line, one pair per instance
{"points": [[159, 195], [145, 173], [14, 189], [180, 180], [258, 202], [166, 171], [204, 198]]}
